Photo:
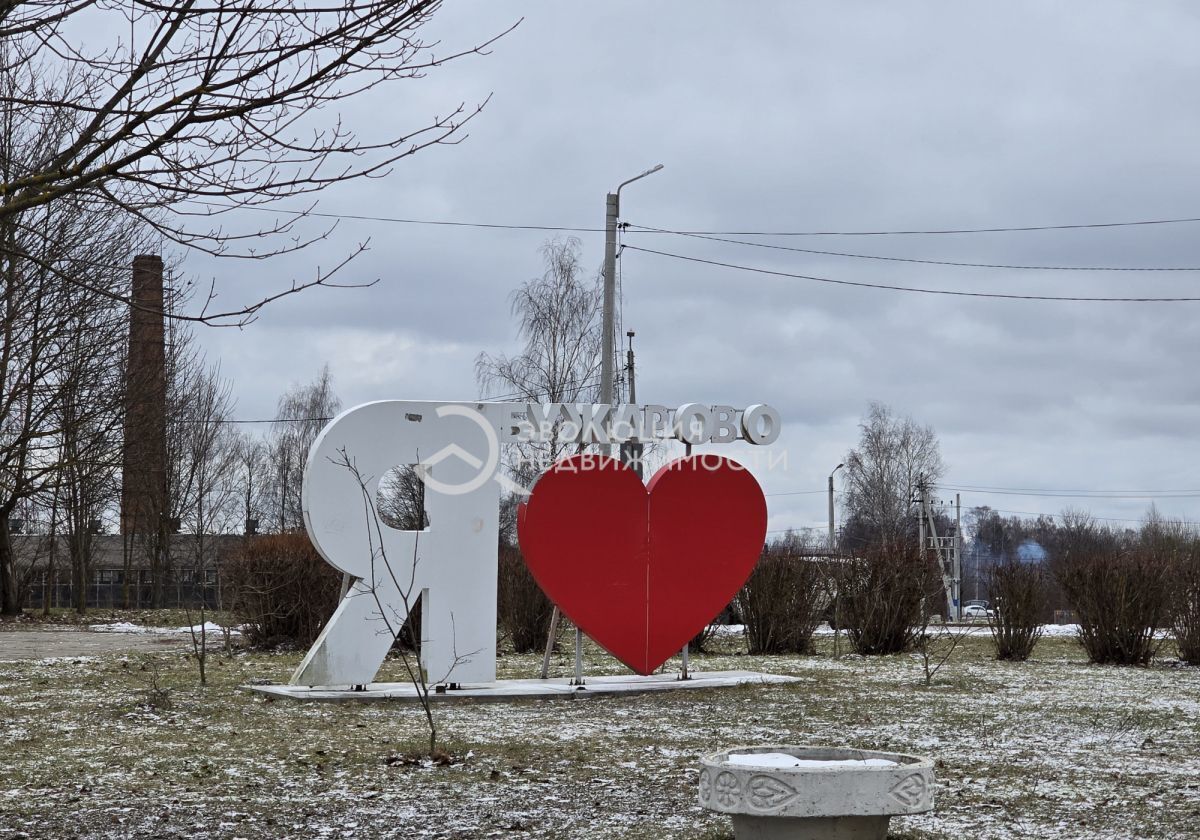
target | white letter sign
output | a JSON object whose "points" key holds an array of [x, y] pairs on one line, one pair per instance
{"points": [[451, 564]]}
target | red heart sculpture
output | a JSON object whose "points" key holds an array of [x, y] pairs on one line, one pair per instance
{"points": [[641, 569]]}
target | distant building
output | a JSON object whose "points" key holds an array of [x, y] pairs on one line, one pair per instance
{"points": [[48, 571]]}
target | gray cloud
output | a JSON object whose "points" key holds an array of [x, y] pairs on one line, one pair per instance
{"points": [[800, 116]]}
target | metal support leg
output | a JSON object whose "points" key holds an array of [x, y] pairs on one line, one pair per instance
{"points": [[550, 643], [578, 681], [684, 673]]}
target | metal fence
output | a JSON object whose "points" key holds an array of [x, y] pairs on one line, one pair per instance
{"points": [[106, 590]]}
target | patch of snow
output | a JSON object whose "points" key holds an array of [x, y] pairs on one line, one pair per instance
{"points": [[1060, 629], [128, 627], [978, 628], [119, 627], [776, 759]]}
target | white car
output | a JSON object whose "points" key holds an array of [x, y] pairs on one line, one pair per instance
{"points": [[974, 612]]}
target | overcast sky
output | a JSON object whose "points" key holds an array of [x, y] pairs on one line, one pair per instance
{"points": [[798, 116]]}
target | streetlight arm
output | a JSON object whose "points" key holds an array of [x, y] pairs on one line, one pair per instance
{"points": [[649, 171]]}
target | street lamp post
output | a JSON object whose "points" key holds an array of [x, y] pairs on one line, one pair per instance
{"points": [[612, 209], [837, 594], [832, 539]]}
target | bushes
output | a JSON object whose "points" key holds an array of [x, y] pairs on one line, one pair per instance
{"points": [[784, 598], [1019, 589], [1118, 586], [880, 592], [1185, 599], [524, 610], [281, 589], [1176, 547]]}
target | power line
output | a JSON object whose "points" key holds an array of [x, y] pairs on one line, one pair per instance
{"points": [[570, 229], [359, 217], [1015, 512], [935, 232], [1060, 490], [1100, 518], [1083, 494], [1040, 491], [914, 289], [232, 421], [583, 383], [1006, 266]]}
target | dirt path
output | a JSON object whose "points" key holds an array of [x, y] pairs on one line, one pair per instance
{"points": [[42, 644]]}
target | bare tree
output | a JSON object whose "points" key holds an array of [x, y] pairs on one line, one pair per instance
{"points": [[893, 456], [252, 469], [60, 332], [90, 437], [303, 412], [936, 639], [401, 499], [558, 322], [393, 576], [203, 472], [181, 112]]}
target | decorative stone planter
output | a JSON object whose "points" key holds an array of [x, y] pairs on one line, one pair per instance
{"points": [[814, 793]]}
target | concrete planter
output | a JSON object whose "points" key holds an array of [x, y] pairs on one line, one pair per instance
{"points": [[819, 800]]}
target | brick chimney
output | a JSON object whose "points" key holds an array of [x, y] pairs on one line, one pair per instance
{"points": [[144, 483]]}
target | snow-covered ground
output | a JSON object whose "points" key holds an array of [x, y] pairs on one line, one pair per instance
{"points": [[1053, 747]]}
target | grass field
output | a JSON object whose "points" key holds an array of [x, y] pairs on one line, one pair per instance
{"points": [[1049, 748]]}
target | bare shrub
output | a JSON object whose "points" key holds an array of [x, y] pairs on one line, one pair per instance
{"points": [[1020, 591], [1118, 585], [935, 645], [881, 590], [524, 609], [1185, 600], [1176, 547], [281, 589], [784, 598]]}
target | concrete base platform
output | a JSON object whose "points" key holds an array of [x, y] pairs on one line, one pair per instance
{"points": [[507, 690]]}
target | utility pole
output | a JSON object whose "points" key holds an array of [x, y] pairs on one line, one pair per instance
{"points": [[629, 368], [958, 554], [920, 500], [612, 205], [832, 536], [612, 209], [631, 450], [945, 549], [608, 326], [837, 595]]}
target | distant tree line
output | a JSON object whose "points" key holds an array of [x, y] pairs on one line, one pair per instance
{"points": [[62, 477]]}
